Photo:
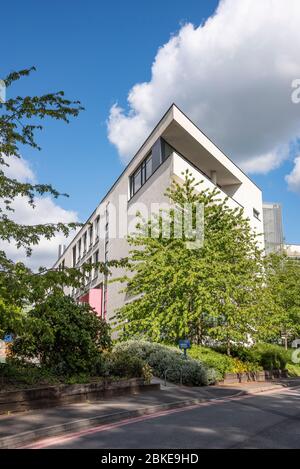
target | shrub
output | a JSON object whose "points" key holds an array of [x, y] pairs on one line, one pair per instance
{"points": [[125, 365], [13, 373], [161, 358], [64, 336], [222, 363], [293, 369], [267, 356]]}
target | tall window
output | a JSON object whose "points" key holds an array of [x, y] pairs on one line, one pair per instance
{"points": [[166, 149], [97, 227], [84, 242], [141, 175], [74, 256], [79, 249], [91, 235], [96, 259]]}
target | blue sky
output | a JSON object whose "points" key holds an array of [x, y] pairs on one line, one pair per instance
{"points": [[96, 52]]}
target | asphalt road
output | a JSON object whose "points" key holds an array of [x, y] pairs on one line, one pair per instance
{"points": [[260, 421]]}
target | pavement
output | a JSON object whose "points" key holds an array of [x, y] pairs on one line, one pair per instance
{"points": [[21, 429], [267, 420]]}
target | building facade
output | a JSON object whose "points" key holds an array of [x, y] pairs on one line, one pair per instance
{"points": [[273, 230], [292, 251], [174, 146]]}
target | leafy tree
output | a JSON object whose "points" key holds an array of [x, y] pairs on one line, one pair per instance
{"points": [[65, 336], [213, 291], [283, 283], [20, 119]]}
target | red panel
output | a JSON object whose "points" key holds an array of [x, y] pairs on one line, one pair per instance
{"points": [[94, 299]]}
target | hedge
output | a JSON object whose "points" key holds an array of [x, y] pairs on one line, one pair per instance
{"points": [[162, 357]]}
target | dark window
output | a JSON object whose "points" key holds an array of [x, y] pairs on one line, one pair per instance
{"points": [[166, 149], [84, 243], [137, 179], [148, 167], [74, 256], [141, 175], [256, 213], [91, 235], [97, 227], [79, 249], [90, 271]]}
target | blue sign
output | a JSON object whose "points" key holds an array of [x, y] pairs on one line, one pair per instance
{"points": [[184, 344], [8, 338]]}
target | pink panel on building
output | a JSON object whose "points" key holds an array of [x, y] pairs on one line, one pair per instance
{"points": [[94, 299]]}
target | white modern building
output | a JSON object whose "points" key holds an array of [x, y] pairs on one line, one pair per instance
{"points": [[273, 227], [292, 251], [174, 146]]}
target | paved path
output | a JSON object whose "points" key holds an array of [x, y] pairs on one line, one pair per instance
{"points": [[21, 428], [268, 420]]}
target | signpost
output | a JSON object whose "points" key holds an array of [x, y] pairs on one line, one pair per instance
{"points": [[8, 338], [184, 345]]}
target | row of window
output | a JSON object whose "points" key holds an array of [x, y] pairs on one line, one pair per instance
{"points": [[106, 244], [87, 240]]}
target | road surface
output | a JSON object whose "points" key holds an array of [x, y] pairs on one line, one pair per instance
{"points": [[268, 420]]}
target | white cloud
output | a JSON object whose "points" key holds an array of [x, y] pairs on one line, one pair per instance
{"points": [[232, 75], [19, 169], [46, 211], [293, 179]]}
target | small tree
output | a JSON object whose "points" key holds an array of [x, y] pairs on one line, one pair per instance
{"points": [[64, 336], [211, 291], [283, 283]]}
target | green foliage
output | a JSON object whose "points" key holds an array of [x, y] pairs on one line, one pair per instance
{"points": [[21, 375], [293, 369], [161, 358], [20, 119], [64, 336], [268, 356], [123, 364], [283, 284], [222, 363], [215, 290]]}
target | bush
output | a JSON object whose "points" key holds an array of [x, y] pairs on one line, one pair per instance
{"points": [[15, 374], [64, 336], [268, 356], [161, 358], [293, 369], [222, 363], [125, 365]]}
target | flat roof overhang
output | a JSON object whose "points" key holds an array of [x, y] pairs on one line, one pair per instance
{"points": [[194, 151]]}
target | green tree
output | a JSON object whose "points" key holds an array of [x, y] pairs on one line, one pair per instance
{"points": [[64, 336], [20, 119], [215, 290], [283, 283]]}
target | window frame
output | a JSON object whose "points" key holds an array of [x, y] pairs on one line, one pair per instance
{"points": [[143, 174]]}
